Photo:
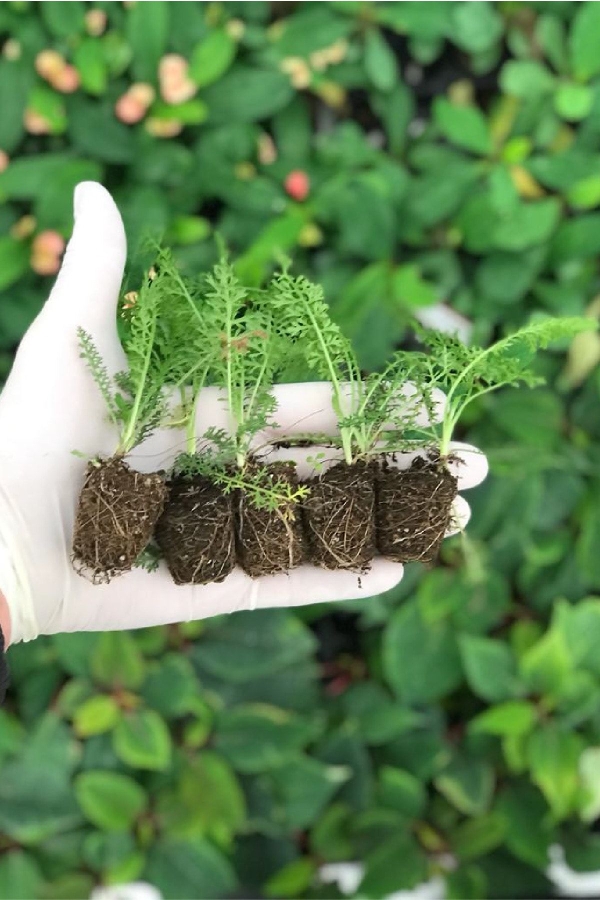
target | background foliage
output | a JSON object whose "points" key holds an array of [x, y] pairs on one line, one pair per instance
{"points": [[453, 156]]}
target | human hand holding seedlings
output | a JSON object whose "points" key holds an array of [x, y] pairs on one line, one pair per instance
{"points": [[50, 406]]}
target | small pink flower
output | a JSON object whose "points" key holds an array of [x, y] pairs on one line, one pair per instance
{"points": [[12, 49], [133, 105], [297, 184], [4, 160], [67, 80], [49, 63], [175, 86], [129, 110], [143, 93], [46, 250], [95, 22], [35, 123]]}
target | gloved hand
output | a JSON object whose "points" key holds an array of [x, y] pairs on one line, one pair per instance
{"points": [[51, 406]]}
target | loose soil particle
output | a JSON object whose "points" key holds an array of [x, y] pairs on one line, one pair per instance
{"points": [[413, 510], [339, 517], [118, 509], [195, 532], [269, 541]]}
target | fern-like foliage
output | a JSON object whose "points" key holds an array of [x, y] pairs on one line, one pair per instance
{"points": [[134, 398], [91, 355], [250, 353], [467, 373], [303, 320], [260, 487], [366, 408], [149, 558]]}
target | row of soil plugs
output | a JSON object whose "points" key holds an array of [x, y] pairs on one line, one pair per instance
{"points": [[347, 515], [219, 505]]}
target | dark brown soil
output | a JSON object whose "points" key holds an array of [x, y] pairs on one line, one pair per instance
{"points": [[118, 509], [339, 517], [195, 532], [413, 510], [269, 541]]}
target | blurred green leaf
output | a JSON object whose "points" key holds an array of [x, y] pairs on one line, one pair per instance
{"points": [[34, 806], [397, 864], [212, 57], [546, 666], [20, 876], [303, 787], [14, 261], [380, 62], [117, 662], [528, 832], [96, 715], [15, 85], [292, 880], [147, 29], [402, 791], [573, 101], [526, 79], [468, 784], [96, 132], [553, 757], [247, 95], [189, 868], [514, 717], [489, 666], [251, 645], [583, 41], [476, 26], [478, 836], [64, 20], [110, 800], [410, 289], [258, 737], [142, 740], [208, 799], [464, 126], [90, 61], [50, 105], [428, 675]]}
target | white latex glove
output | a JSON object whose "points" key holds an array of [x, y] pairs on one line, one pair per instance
{"points": [[51, 406]]}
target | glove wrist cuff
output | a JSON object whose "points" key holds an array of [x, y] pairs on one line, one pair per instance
{"points": [[14, 583]]}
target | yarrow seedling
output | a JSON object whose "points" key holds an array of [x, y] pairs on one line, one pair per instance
{"points": [[225, 503], [119, 507], [221, 336], [415, 505]]}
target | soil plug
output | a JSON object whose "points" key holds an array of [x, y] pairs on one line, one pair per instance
{"points": [[339, 512], [194, 534], [118, 506], [251, 506], [414, 505]]}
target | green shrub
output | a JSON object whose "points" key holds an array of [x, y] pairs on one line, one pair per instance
{"points": [[452, 156]]}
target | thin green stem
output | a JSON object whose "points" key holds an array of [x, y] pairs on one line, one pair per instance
{"points": [[128, 439]]}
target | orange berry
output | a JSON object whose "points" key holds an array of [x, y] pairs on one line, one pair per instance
{"points": [[4, 160]]}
